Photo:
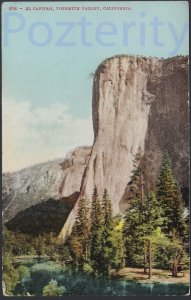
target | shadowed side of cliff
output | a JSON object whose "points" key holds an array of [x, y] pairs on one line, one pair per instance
{"points": [[44, 217]]}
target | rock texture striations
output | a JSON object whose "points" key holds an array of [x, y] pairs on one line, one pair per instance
{"points": [[59, 179], [137, 102]]}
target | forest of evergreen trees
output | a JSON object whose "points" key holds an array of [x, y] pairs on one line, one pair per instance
{"points": [[154, 231]]}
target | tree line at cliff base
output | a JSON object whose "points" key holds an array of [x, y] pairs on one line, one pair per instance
{"points": [[153, 232]]}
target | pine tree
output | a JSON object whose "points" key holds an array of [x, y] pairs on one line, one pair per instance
{"points": [[136, 184], [82, 225], [169, 195], [79, 241], [107, 235], [10, 275], [96, 233], [133, 234], [137, 188], [152, 220], [107, 210], [118, 260], [170, 198], [141, 222]]}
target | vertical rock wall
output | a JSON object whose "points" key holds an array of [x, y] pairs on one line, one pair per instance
{"points": [[142, 102]]}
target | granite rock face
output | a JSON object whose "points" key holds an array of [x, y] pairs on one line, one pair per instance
{"points": [[137, 102], [121, 107]]}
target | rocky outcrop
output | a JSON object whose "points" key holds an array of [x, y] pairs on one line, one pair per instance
{"points": [[121, 106], [56, 180], [137, 102]]}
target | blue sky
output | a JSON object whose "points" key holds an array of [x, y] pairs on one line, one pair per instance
{"points": [[56, 81]]}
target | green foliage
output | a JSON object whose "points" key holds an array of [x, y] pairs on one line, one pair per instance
{"points": [[155, 228], [169, 195], [23, 244], [95, 244], [65, 253], [16, 243], [23, 272], [31, 250], [175, 225], [118, 257], [52, 289], [19, 244], [136, 183], [151, 216], [107, 211], [42, 273], [107, 248], [8, 240], [10, 274], [79, 241], [96, 232], [133, 234], [76, 248], [141, 223], [153, 232], [167, 250], [103, 250], [87, 269], [135, 255], [40, 245], [186, 234]]}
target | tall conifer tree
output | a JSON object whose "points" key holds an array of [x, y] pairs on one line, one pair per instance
{"points": [[79, 241], [96, 232], [136, 184], [108, 226], [141, 223], [169, 195], [137, 189]]}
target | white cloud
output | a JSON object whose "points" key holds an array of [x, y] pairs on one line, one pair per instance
{"points": [[32, 136]]}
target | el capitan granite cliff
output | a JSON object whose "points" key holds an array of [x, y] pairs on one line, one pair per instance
{"points": [[137, 102]]}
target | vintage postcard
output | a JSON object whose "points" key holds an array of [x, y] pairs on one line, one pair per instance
{"points": [[95, 118]]}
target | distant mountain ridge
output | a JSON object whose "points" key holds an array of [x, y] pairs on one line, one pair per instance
{"points": [[37, 184]]}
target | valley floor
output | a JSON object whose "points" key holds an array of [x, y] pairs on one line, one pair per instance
{"points": [[159, 276]]}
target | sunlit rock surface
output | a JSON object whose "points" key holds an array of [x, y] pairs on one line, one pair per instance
{"points": [[136, 102]]}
